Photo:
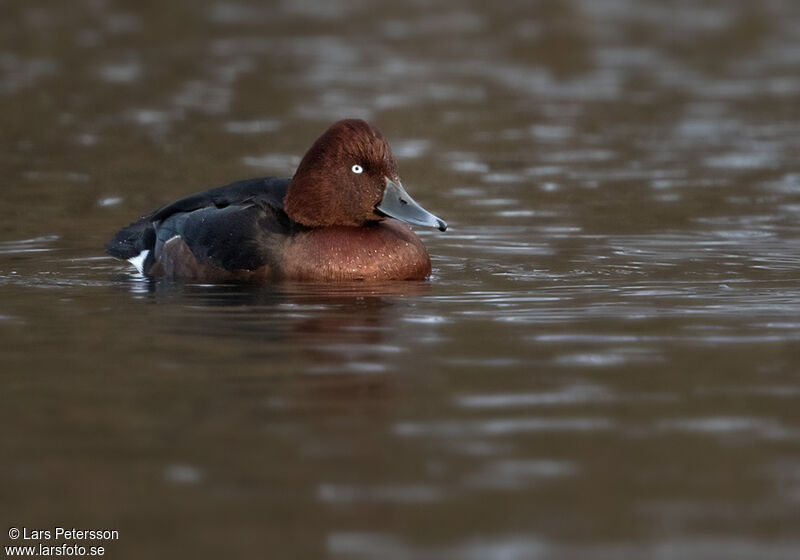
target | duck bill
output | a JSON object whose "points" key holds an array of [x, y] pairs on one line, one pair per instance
{"points": [[398, 204]]}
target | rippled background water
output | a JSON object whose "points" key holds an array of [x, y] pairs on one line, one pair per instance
{"points": [[604, 364]]}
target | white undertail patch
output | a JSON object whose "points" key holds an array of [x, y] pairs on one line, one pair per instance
{"points": [[138, 261]]}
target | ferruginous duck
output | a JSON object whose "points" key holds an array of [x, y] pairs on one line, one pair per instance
{"points": [[341, 217]]}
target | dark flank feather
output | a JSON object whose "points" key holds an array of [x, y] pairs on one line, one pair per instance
{"points": [[170, 220]]}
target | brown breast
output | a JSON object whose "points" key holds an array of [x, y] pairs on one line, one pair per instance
{"points": [[388, 250]]}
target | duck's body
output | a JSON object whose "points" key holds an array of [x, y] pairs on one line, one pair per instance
{"points": [[308, 228], [242, 232]]}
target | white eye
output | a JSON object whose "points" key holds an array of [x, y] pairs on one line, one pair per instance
{"points": [[357, 169]]}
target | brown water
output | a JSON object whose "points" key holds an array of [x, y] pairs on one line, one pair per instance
{"points": [[605, 363]]}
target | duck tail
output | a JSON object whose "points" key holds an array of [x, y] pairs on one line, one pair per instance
{"points": [[131, 241]]}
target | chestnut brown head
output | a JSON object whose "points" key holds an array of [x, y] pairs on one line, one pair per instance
{"points": [[348, 178]]}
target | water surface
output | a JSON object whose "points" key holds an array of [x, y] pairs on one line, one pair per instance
{"points": [[604, 363]]}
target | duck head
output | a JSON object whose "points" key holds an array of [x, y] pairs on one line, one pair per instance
{"points": [[349, 178]]}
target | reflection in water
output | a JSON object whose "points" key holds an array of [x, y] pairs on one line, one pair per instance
{"points": [[603, 365], [356, 312]]}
